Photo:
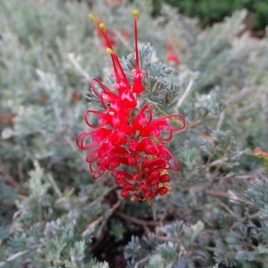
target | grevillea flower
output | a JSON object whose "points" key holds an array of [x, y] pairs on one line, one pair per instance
{"points": [[171, 55], [125, 141]]}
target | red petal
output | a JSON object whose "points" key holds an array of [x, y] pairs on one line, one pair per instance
{"points": [[118, 137], [137, 85], [147, 146], [143, 118], [93, 137], [164, 178], [103, 93], [121, 174], [124, 192], [172, 57], [154, 163], [162, 190], [119, 120], [132, 145], [120, 151], [152, 180], [128, 99], [159, 128]]}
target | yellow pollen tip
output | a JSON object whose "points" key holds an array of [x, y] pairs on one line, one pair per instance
{"points": [[163, 172], [102, 26], [166, 184], [91, 17], [109, 50], [135, 12], [176, 121]]}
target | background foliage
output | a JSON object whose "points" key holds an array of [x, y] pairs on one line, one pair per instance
{"points": [[53, 214], [210, 11]]}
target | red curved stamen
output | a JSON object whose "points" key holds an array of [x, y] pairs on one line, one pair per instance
{"points": [[98, 172], [103, 86], [80, 141], [95, 135], [179, 117], [175, 165], [92, 156], [98, 113]]}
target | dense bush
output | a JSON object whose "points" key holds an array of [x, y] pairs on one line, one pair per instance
{"points": [[210, 11], [54, 214]]}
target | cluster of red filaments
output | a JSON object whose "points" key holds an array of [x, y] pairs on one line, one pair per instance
{"points": [[124, 139]]}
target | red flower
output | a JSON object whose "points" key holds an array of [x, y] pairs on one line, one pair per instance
{"points": [[171, 55], [125, 34], [125, 141]]}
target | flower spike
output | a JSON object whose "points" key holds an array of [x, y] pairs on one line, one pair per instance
{"points": [[123, 140]]}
